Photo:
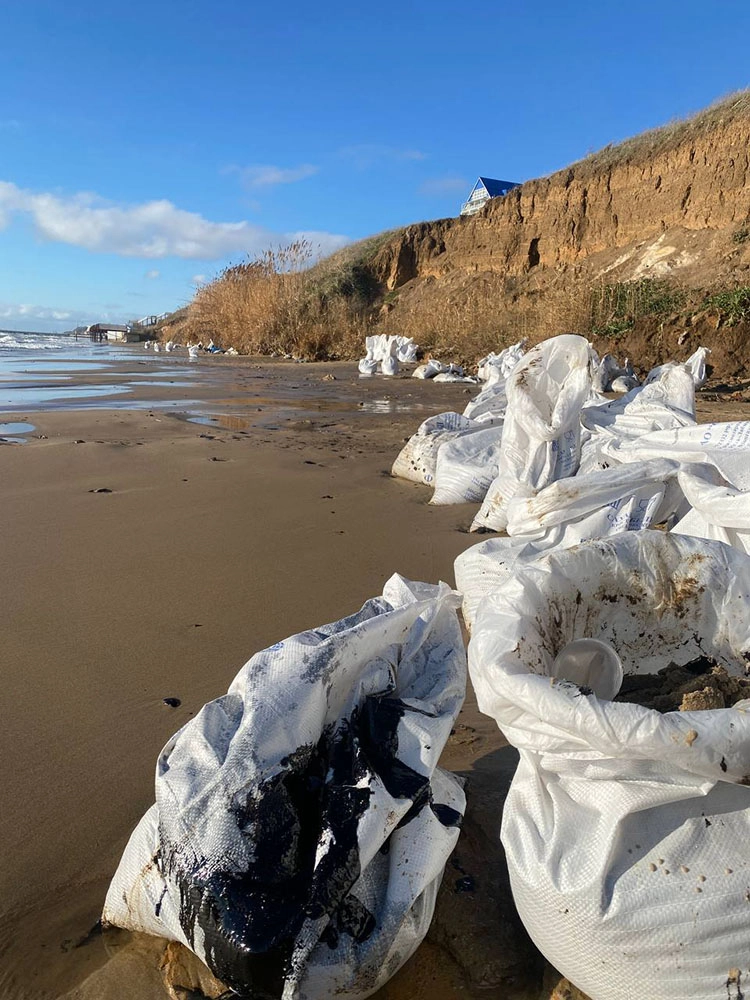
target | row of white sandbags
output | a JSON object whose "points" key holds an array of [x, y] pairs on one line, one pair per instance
{"points": [[490, 369], [386, 352], [696, 479], [652, 899], [643, 461], [609, 376], [535, 427]]}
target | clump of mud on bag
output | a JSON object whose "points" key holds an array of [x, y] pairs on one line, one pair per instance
{"points": [[697, 686]]}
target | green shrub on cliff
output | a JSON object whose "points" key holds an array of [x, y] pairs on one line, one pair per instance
{"points": [[732, 304], [617, 307]]}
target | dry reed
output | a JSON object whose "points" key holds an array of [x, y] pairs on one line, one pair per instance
{"points": [[273, 304]]}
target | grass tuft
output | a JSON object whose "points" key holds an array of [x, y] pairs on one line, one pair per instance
{"points": [[656, 141], [617, 307], [732, 304]]}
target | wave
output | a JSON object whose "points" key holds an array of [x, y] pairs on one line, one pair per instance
{"points": [[35, 341]]}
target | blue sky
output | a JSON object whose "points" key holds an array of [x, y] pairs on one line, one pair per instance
{"points": [[143, 146]]}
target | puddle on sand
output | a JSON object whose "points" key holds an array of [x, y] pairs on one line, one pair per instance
{"points": [[33, 365], [87, 398], [268, 413], [225, 421], [161, 382], [33, 395], [388, 406], [8, 379], [10, 431]]}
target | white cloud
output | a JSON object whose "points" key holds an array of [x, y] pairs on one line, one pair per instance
{"points": [[44, 319], [198, 279], [368, 154], [25, 311], [438, 187], [150, 230], [321, 244], [7, 198], [153, 274], [265, 175]]}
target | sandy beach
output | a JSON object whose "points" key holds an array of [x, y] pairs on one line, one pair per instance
{"points": [[216, 540], [148, 556]]}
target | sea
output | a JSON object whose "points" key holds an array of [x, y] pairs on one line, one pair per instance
{"points": [[26, 356], [48, 370], [41, 371], [35, 341], [30, 347]]}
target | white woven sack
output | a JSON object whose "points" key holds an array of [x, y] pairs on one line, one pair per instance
{"points": [[499, 366], [510, 356], [623, 383], [389, 363], [541, 433], [696, 364], [453, 377], [607, 370], [718, 510], [466, 466], [723, 445], [301, 824], [377, 348], [666, 403], [430, 369], [374, 347], [569, 511], [626, 831], [418, 458], [489, 368], [490, 404], [407, 350]]}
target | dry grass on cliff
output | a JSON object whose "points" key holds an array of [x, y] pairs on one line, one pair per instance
{"points": [[273, 304], [660, 140], [276, 304], [481, 317], [347, 271]]}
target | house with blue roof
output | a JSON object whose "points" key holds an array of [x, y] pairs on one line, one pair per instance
{"points": [[484, 189]]}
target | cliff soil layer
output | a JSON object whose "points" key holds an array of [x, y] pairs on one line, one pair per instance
{"points": [[665, 210]]}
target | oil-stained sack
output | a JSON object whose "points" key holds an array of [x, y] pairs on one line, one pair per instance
{"points": [[301, 823]]}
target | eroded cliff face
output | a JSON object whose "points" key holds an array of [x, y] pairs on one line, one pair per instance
{"points": [[699, 185]]}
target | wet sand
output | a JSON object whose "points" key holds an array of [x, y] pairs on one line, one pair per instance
{"points": [[215, 540]]}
